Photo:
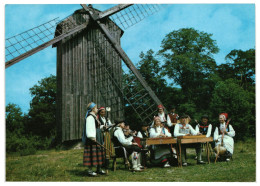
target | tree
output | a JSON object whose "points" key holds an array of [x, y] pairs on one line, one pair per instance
{"points": [[42, 113], [188, 60], [243, 64], [14, 119], [229, 97]]}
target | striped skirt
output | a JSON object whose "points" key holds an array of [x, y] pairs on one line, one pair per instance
{"points": [[93, 155]]}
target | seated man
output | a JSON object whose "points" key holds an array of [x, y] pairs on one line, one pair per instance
{"points": [[205, 129], [184, 129], [144, 132], [131, 148]]}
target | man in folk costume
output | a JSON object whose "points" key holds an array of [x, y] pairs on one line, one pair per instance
{"points": [[223, 135], [205, 129], [163, 116], [161, 154], [184, 129], [172, 119], [94, 155], [144, 132], [131, 148], [105, 126]]}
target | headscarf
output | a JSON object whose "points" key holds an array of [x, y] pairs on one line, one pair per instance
{"points": [[225, 115], [90, 108]]}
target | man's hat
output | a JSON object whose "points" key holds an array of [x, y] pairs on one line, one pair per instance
{"points": [[205, 116], [145, 124], [101, 108], [160, 106], [119, 120]]}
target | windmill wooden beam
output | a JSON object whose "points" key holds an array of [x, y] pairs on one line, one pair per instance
{"points": [[112, 10], [123, 55], [46, 44]]}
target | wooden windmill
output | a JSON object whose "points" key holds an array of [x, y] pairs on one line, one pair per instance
{"points": [[91, 65]]}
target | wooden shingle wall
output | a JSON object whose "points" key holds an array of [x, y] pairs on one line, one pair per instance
{"points": [[82, 62]]}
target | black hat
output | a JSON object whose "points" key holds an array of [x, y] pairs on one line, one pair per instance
{"points": [[184, 116], [145, 124], [205, 116], [119, 120]]}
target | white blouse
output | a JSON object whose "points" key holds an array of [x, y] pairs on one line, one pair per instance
{"points": [[90, 127], [155, 133], [180, 130], [119, 134]]}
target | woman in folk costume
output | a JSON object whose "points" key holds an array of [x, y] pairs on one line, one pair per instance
{"points": [[205, 129], [224, 135], [93, 153], [161, 154], [184, 129], [105, 126]]}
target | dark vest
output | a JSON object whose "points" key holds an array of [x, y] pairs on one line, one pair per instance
{"points": [[115, 140], [203, 129], [101, 121], [144, 134]]}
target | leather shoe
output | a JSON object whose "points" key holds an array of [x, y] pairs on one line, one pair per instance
{"points": [[92, 174], [201, 162], [102, 172]]}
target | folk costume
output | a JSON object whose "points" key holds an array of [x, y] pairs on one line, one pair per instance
{"points": [[93, 153], [228, 141], [163, 117], [105, 126], [182, 130], [143, 134], [204, 129], [161, 154], [120, 140]]}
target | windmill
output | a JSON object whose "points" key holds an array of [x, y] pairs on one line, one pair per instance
{"points": [[91, 65]]}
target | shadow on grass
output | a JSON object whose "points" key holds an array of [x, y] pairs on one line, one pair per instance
{"points": [[80, 173]]}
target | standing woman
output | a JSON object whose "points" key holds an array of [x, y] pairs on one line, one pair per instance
{"points": [[93, 153], [224, 135], [105, 125]]}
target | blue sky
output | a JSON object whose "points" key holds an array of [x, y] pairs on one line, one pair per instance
{"points": [[232, 26]]}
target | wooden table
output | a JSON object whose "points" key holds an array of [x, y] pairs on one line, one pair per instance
{"points": [[157, 141], [193, 139]]}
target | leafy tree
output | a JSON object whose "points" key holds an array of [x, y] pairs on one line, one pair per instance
{"points": [[42, 113], [229, 97], [243, 64], [188, 60], [14, 119]]}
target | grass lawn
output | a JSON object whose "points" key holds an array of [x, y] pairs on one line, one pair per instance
{"points": [[66, 165]]}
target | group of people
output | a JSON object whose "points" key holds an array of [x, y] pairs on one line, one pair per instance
{"points": [[98, 127]]}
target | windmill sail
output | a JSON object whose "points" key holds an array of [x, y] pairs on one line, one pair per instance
{"points": [[91, 65]]}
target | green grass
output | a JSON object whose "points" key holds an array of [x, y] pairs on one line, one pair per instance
{"points": [[66, 165]]}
